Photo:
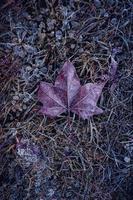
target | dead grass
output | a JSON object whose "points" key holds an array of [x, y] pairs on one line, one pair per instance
{"points": [[63, 158]]}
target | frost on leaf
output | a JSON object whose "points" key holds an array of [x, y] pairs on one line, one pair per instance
{"points": [[85, 103], [27, 151], [68, 95]]}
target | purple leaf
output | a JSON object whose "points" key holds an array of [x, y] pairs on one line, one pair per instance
{"points": [[68, 95], [53, 100], [85, 103], [112, 68]]}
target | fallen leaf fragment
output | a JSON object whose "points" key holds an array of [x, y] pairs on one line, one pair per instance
{"points": [[52, 99], [112, 73], [69, 82], [85, 103], [28, 151], [112, 68], [68, 95]]}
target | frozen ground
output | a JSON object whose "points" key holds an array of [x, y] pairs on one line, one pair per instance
{"points": [[51, 159]]}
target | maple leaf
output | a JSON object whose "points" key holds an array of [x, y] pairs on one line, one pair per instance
{"points": [[68, 95]]}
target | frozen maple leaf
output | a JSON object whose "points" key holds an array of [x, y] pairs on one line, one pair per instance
{"points": [[68, 95]]}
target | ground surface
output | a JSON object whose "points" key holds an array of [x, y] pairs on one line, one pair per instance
{"points": [[53, 159]]}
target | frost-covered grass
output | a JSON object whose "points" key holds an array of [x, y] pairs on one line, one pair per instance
{"points": [[62, 159]]}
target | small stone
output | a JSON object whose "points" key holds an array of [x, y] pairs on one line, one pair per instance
{"points": [[16, 98], [39, 62], [13, 102], [52, 33], [72, 46], [13, 131], [26, 100], [58, 44], [106, 15], [80, 38], [17, 114], [18, 124], [20, 109], [127, 159], [71, 34], [67, 149], [24, 107], [42, 25], [97, 3], [50, 24], [58, 35], [36, 70], [21, 96], [114, 21], [41, 36], [29, 68], [81, 50]]}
